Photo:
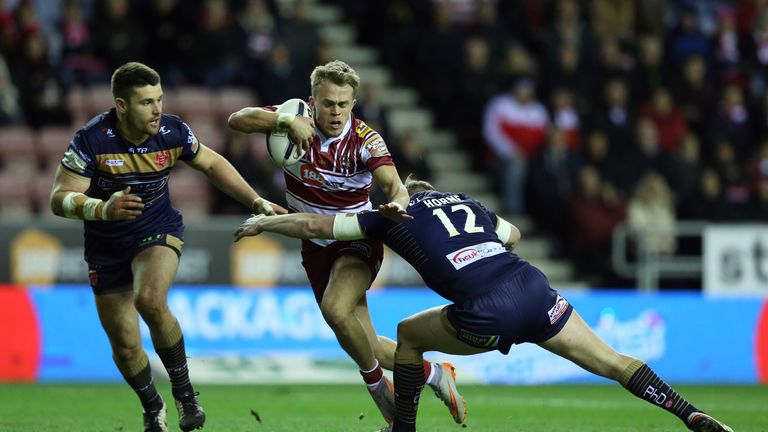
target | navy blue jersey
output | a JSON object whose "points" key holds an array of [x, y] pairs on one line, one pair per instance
{"points": [[98, 152], [451, 242]]}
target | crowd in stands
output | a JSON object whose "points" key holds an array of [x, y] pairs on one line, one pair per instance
{"points": [[586, 113]]}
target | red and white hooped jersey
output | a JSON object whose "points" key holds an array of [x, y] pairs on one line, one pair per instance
{"points": [[335, 174]]}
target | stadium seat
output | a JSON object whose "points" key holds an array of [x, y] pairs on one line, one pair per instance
{"points": [[77, 104], [53, 142], [208, 132], [18, 150], [40, 191], [191, 103], [98, 99], [231, 99], [15, 194], [190, 193]]}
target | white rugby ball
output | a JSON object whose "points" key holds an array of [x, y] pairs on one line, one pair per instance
{"points": [[280, 147]]}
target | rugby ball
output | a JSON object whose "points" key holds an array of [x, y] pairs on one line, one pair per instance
{"points": [[280, 147]]}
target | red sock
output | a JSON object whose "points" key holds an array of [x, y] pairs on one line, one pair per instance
{"points": [[427, 368], [372, 376]]}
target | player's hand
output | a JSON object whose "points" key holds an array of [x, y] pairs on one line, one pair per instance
{"points": [[250, 227], [123, 205], [394, 211], [262, 206], [302, 132]]}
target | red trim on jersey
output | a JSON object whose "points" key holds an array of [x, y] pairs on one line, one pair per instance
{"points": [[374, 163]]}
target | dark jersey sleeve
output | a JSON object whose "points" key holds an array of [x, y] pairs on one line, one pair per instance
{"points": [[79, 157], [191, 146], [373, 224]]}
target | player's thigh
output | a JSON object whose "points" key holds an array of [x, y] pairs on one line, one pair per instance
{"points": [[578, 343], [153, 272], [349, 279], [119, 319], [430, 330]]}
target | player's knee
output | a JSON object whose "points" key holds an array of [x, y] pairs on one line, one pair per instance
{"points": [[151, 309], [335, 313], [405, 333]]}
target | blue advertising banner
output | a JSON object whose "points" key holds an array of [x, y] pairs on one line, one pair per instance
{"points": [[236, 335]]}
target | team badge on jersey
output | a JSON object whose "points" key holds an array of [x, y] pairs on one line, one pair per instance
{"points": [[161, 158], [376, 146], [74, 161], [557, 311]]}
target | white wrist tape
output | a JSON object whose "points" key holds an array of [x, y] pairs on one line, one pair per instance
{"points": [[346, 227], [284, 120], [89, 208], [68, 205], [504, 230], [263, 207]]}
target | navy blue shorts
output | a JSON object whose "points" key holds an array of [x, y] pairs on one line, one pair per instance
{"points": [[109, 262], [522, 309]]}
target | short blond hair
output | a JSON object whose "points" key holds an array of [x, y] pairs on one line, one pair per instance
{"points": [[337, 72], [412, 185]]}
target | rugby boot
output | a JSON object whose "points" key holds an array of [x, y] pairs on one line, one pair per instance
{"points": [[191, 414], [446, 391], [700, 422], [383, 395], [154, 421]]}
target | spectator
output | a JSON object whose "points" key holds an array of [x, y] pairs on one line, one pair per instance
{"points": [[708, 202], [668, 119], [300, 36], [118, 35], [514, 127], [651, 215], [593, 212], [43, 99], [695, 94], [218, 46], [613, 18], [565, 118], [10, 112], [552, 179]]}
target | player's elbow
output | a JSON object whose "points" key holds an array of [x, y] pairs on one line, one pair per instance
{"points": [[319, 228], [514, 237], [235, 121]]}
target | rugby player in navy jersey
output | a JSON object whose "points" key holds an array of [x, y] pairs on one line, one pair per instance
{"points": [[463, 252], [114, 176]]}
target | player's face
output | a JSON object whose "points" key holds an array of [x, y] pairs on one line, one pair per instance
{"points": [[332, 104], [143, 109]]}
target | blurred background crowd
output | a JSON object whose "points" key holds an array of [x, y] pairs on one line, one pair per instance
{"points": [[584, 113]]}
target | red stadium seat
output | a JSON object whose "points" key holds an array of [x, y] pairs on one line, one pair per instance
{"points": [[190, 193], [15, 194], [191, 103], [98, 99], [53, 142], [231, 99], [18, 150]]}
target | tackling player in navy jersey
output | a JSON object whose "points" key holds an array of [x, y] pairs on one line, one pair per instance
{"points": [[114, 176], [463, 252]]}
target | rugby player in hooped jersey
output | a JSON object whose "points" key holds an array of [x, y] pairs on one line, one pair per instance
{"points": [[463, 252], [343, 157], [114, 176]]}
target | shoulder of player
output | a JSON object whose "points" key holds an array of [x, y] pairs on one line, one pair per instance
{"points": [[362, 131]]}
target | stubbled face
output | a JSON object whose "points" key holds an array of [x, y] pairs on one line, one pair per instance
{"points": [[332, 105], [142, 111]]}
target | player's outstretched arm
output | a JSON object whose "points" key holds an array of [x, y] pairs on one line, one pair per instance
{"points": [[69, 200], [226, 178], [297, 225]]}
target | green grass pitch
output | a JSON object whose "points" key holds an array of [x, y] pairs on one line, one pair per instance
{"points": [[342, 408]]}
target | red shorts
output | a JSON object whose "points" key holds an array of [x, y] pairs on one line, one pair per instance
{"points": [[318, 260]]}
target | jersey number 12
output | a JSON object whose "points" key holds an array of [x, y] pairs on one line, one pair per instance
{"points": [[469, 224]]}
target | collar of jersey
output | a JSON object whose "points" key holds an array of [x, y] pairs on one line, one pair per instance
{"points": [[325, 143]]}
